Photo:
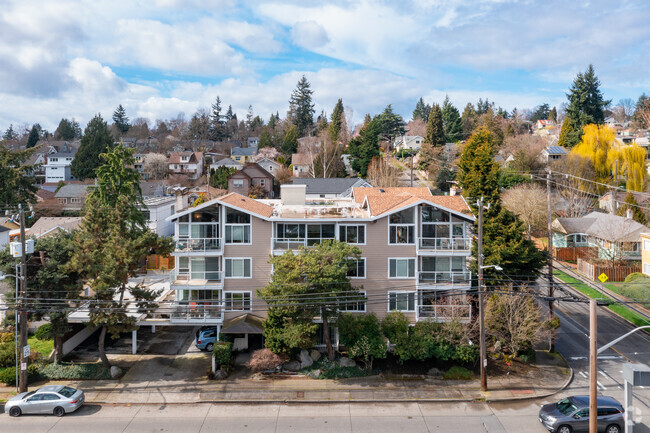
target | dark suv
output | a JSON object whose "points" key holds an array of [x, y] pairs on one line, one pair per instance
{"points": [[572, 415]]}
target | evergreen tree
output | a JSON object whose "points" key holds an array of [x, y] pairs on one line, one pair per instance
{"points": [[631, 203], [199, 127], [97, 139], [468, 119], [301, 108], [120, 120], [10, 134], [451, 122], [569, 136], [65, 130], [290, 141], [541, 113], [478, 172], [17, 179], [219, 177], [265, 139], [365, 147], [552, 115], [483, 106], [76, 128], [422, 110], [435, 135], [337, 120], [217, 122], [33, 136], [391, 124], [271, 123]]}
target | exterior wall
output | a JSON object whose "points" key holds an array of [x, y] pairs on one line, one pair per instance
{"points": [[56, 172], [300, 170], [243, 190], [645, 253], [71, 203], [4, 238], [157, 223]]}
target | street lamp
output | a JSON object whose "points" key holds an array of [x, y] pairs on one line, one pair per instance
{"points": [[2, 277]]}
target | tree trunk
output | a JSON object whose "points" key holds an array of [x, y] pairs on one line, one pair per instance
{"points": [[100, 346], [326, 337], [58, 348]]}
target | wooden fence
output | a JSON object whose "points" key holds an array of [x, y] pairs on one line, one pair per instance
{"points": [[155, 262], [572, 254], [614, 273]]}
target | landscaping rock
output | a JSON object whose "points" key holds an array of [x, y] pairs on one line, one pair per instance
{"points": [[116, 372], [434, 372], [305, 359], [315, 355], [315, 374], [347, 362], [292, 366], [220, 375]]}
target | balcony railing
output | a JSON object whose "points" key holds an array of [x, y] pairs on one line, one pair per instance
{"points": [[445, 244], [295, 243], [445, 313], [196, 278], [192, 245], [445, 277], [198, 312]]}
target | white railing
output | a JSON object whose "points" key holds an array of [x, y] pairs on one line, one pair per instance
{"points": [[445, 244], [197, 312], [203, 244], [195, 277], [446, 277], [295, 243], [445, 313]]}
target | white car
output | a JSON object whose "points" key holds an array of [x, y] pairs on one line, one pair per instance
{"points": [[51, 399]]}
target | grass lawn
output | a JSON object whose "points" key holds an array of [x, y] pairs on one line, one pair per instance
{"points": [[44, 347], [621, 310]]}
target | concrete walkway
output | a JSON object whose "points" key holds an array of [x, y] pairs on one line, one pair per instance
{"points": [[156, 379]]}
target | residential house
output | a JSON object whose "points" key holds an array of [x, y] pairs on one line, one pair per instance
{"points": [[242, 155], [57, 166], [645, 253], [611, 202], [553, 153], [614, 237], [187, 163], [330, 187], [139, 160], [408, 142], [9, 222], [302, 164], [415, 248], [72, 197], [226, 162], [46, 226], [126, 141], [157, 210], [153, 188], [251, 175], [253, 141], [269, 165], [544, 124], [38, 159]]}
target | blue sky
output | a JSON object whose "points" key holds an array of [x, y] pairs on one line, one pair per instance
{"points": [[65, 58]]}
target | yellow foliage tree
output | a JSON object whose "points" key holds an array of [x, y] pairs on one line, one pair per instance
{"points": [[599, 145]]}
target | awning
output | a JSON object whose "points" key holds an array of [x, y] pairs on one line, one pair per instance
{"points": [[244, 324]]}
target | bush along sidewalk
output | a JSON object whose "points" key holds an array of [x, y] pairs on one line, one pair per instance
{"points": [[222, 360]]}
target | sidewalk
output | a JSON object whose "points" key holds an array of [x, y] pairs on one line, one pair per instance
{"points": [[153, 382]]}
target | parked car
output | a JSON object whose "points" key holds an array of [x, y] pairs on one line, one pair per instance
{"points": [[205, 338], [572, 415], [51, 399]]}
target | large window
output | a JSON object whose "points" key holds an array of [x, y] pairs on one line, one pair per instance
{"points": [[443, 269], [290, 231], [357, 268], [317, 232], [354, 302], [401, 301], [198, 268], [402, 227], [237, 301], [352, 234], [238, 268], [401, 268], [238, 227]]}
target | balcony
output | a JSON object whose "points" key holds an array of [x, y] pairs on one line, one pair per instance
{"points": [[295, 243], [445, 244], [198, 245], [197, 312], [445, 313], [196, 279], [446, 278]]}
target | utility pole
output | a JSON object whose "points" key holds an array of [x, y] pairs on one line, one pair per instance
{"points": [[593, 367], [550, 254], [411, 168], [481, 308], [23, 312]]}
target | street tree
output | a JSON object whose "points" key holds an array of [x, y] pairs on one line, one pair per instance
{"points": [[451, 121], [120, 120], [96, 140], [320, 273], [17, 178], [301, 107], [110, 245]]}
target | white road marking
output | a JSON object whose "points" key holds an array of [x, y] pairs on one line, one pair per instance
{"points": [[603, 373], [583, 374], [601, 386]]}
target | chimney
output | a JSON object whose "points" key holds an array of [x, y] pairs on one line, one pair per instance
{"points": [[180, 200], [453, 190], [293, 195], [629, 214]]}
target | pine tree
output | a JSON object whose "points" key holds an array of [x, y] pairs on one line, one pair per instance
{"points": [[301, 108], [552, 115], [451, 122], [336, 122], [541, 113], [391, 124], [365, 147], [217, 122], [468, 119], [120, 120], [478, 172], [422, 110], [265, 139], [97, 139], [65, 130], [631, 203], [33, 136], [18, 182], [10, 134], [435, 135], [290, 141]]}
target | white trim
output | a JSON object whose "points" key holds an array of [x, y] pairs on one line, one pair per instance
{"points": [[415, 300], [415, 268], [250, 301], [365, 233], [412, 225], [237, 258], [365, 269], [365, 303]]}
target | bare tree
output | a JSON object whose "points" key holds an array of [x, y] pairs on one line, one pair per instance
{"points": [[283, 175], [576, 195], [156, 166], [382, 174], [416, 127], [627, 105], [528, 201]]}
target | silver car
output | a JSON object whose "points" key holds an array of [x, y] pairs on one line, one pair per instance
{"points": [[50, 399], [572, 415]]}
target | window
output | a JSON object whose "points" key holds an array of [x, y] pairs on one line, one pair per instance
{"points": [[238, 183], [352, 234], [77, 200], [316, 233], [63, 201], [401, 268], [54, 159], [401, 301], [238, 301], [262, 182], [357, 268], [238, 229], [646, 268], [290, 231], [402, 227], [354, 302], [238, 268], [646, 245], [50, 397]]}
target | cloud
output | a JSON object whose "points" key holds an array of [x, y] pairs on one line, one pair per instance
{"points": [[309, 34]]}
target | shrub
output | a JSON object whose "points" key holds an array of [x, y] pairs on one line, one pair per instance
{"points": [[65, 371], [362, 336], [264, 359], [222, 351], [634, 276], [7, 355], [44, 332], [395, 327], [458, 373], [528, 356], [8, 375], [7, 337]]}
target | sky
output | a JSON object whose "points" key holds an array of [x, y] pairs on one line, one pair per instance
{"points": [[159, 58]]}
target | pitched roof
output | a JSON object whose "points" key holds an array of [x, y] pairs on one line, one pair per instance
{"points": [[604, 226], [194, 157], [247, 204], [556, 150], [227, 162], [253, 169], [4, 229], [153, 188], [245, 151], [72, 190], [44, 194], [330, 185], [301, 159], [384, 200], [45, 225]]}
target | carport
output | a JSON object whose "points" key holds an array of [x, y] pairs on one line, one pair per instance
{"points": [[246, 329]]}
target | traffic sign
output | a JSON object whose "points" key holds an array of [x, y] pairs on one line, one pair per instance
{"points": [[26, 351], [602, 277]]}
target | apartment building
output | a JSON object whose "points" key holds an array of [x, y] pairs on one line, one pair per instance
{"points": [[414, 247]]}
